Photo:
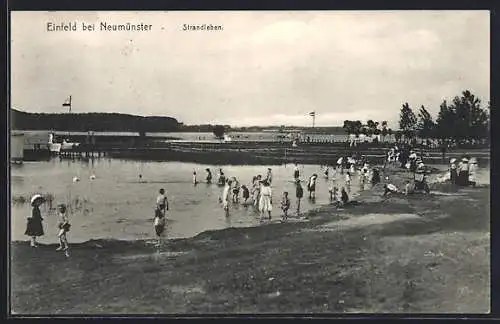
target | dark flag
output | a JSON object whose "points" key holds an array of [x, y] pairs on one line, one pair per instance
{"points": [[67, 103]]}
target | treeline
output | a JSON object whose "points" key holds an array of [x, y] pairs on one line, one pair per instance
{"points": [[99, 122], [371, 127], [462, 121]]}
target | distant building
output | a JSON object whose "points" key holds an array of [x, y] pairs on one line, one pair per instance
{"points": [[35, 144], [17, 147]]}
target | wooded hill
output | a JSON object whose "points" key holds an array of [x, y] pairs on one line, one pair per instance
{"points": [[99, 122]]}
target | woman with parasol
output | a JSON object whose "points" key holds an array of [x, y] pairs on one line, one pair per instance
{"points": [[34, 225]]}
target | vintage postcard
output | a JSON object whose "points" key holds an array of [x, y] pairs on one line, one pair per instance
{"points": [[249, 162]]}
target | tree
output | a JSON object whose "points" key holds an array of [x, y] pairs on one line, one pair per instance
{"points": [[357, 127], [353, 127], [348, 127], [407, 121], [445, 122], [384, 131], [376, 129], [397, 135], [219, 131], [370, 127], [425, 125], [471, 116], [463, 120]]}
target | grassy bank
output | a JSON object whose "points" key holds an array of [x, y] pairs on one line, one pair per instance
{"points": [[400, 255]]}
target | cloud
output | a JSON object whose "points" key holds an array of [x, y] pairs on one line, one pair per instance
{"points": [[264, 67]]}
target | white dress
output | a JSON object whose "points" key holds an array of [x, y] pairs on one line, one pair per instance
{"points": [[225, 197], [472, 173], [265, 199]]}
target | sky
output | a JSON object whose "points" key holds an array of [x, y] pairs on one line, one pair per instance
{"points": [[264, 68]]}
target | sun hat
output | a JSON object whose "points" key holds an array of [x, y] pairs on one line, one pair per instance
{"points": [[465, 160], [35, 198], [453, 160]]}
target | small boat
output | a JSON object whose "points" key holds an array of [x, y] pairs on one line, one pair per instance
{"points": [[58, 147]]}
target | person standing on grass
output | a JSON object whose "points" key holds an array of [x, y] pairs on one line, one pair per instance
{"points": [[299, 194], [34, 226], [463, 172], [162, 202], [473, 171], [453, 171], [64, 227], [285, 205], [344, 197], [375, 176], [159, 225], [363, 179]]}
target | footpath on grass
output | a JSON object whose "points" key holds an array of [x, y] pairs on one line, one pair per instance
{"points": [[417, 254]]}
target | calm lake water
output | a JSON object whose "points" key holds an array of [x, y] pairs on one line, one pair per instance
{"points": [[117, 205]]}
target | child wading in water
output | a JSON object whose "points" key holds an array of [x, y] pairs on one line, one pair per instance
{"points": [[195, 181], [285, 206], [162, 201], [159, 225], [209, 175], [34, 226], [265, 200], [299, 193], [246, 194], [311, 186], [64, 227]]}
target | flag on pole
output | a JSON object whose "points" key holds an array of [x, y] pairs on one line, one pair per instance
{"points": [[312, 114], [67, 103]]}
